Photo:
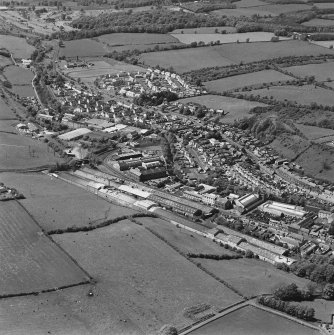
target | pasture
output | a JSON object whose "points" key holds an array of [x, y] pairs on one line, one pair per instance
{"points": [[224, 38], [249, 3], [250, 276], [243, 80], [30, 262], [16, 45], [235, 108], [251, 320], [321, 72], [325, 5], [46, 196], [248, 11], [304, 95], [23, 91], [318, 23], [312, 132], [18, 75], [6, 110], [20, 151], [324, 44], [5, 61], [101, 67], [82, 48], [152, 287]]}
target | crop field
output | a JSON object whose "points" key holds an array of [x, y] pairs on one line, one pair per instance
{"points": [[321, 72], [205, 30], [250, 276], [152, 287], [82, 48], [30, 262], [16, 45], [226, 54], [248, 79], [18, 75], [235, 108], [301, 94], [251, 320], [312, 132], [224, 38], [46, 196], [318, 23], [109, 66], [19, 151]]}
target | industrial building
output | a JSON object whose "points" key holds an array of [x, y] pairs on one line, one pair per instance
{"points": [[128, 155], [74, 134], [248, 202], [150, 174], [278, 208]]}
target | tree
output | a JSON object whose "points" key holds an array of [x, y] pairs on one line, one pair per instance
{"points": [[288, 293], [328, 292]]}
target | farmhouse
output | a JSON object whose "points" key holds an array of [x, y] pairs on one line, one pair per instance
{"points": [[74, 134]]}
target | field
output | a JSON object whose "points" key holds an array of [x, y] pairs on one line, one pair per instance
{"points": [[100, 68], [224, 38], [323, 309], [82, 48], [30, 262], [204, 30], [6, 111], [243, 80], [313, 133], [243, 12], [46, 196], [152, 287], [227, 54], [319, 23], [325, 5], [5, 61], [236, 108], [16, 45], [18, 75], [249, 3], [250, 320], [301, 94], [321, 72], [324, 44], [23, 91]]}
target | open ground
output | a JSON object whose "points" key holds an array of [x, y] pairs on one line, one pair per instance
{"points": [[30, 262], [46, 196]]}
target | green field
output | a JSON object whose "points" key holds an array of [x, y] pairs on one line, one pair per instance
{"points": [[141, 276], [235, 108], [6, 110], [204, 30], [46, 196], [312, 132], [16, 45], [250, 320], [30, 262], [5, 61], [301, 94], [321, 72], [319, 23], [18, 75], [243, 80], [82, 48]]}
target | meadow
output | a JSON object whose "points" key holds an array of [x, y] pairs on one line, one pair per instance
{"points": [[251, 320], [248, 79], [324, 44], [46, 196], [318, 23], [205, 30], [5, 61], [152, 287], [30, 261], [313, 133], [321, 72], [23, 91], [248, 11], [235, 108], [6, 110], [18, 75], [249, 3], [301, 94], [82, 48], [16, 45], [325, 5]]}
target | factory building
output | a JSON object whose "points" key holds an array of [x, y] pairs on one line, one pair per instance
{"points": [[248, 202], [278, 208]]}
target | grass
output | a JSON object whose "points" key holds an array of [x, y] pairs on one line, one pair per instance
{"points": [[46, 196], [248, 79], [250, 320], [18, 75], [251, 277], [152, 286], [30, 261], [204, 30], [249, 3], [312, 132], [301, 94], [17, 46], [224, 38], [235, 108], [324, 44], [6, 110], [5, 61], [323, 309], [318, 23], [243, 12], [23, 91], [82, 48], [20, 151], [321, 72]]}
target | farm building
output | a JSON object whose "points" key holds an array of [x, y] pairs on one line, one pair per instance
{"points": [[74, 134], [277, 208]]}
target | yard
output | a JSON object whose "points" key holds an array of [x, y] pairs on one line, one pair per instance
{"points": [[248, 79], [321, 72], [46, 196], [152, 287], [30, 262]]}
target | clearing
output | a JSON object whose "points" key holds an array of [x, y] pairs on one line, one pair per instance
{"points": [[321, 72], [304, 95], [235, 108], [17, 46], [251, 320], [248, 79], [46, 196], [30, 261], [152, 287]]}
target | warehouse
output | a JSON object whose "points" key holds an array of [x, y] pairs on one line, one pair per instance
{"points": [[74, 134], [145, 204], [150, 174], [134, 191], [128, 155], [248, 202], [277, 208]]}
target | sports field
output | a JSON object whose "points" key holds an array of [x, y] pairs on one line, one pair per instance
{"points": [[16, 45], [152, 287], [30, 262], [46, 196], [301, 94], [250, 320], [248, 79], [235, 108], [321, 72]]}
